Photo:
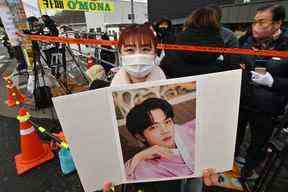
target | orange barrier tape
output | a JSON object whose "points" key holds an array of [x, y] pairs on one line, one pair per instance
{"points": [[50, 39], [239, 51], [193, 48]]}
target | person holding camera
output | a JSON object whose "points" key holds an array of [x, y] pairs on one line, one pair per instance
{"points": [[265, 96], [164, 31], [50, 26]]}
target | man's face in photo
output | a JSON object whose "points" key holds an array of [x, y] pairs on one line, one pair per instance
{"points": [[162, 131]]}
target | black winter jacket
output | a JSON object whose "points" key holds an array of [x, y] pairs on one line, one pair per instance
{"points": [[50, 24], [262, 98], [180, 64]]}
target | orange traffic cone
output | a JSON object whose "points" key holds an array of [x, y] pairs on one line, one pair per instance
{"points": [[19, 96], [33, 151], [11, 101], [14, 97], [8, 80], [90, 61]]}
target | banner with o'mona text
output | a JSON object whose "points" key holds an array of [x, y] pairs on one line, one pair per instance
{"points": [[77, 5]]}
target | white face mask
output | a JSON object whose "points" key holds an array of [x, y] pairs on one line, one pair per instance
{"points": [[138, 65]]}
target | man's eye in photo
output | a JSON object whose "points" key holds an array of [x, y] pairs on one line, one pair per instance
{"points": [[153, 127], [146, 49], [129, 50]]}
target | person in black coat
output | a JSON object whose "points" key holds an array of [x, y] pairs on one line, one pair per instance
{"points": [[50, 29], [202, 28], [230, 40], [164, 31], [35, 26], [277, 84], [268, 91], [50, 25], [107, 55]]}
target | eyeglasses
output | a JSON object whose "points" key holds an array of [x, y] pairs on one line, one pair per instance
{"points": [[166, 123], [263, 22]]}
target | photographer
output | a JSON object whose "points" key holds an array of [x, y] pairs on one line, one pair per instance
{"points": [[164, 35], [50, 26], [35, 26], [49, 29], [265, 98], [164, 31]]}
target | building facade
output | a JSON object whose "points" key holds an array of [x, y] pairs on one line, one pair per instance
{"points": [[234, 11], [120, 16]]}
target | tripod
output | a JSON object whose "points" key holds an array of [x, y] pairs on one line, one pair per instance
{"points": [[55, 58], [277, 154]]}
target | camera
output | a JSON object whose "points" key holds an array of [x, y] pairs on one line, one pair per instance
{"points": [[280, 140]]}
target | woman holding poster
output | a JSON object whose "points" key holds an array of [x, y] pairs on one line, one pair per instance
{"points": [[137, 47]]}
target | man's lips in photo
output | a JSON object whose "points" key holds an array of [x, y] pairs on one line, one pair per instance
{"points": [[167, 139]]}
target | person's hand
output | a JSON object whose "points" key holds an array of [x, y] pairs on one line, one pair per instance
{"points": [[266, 79], [107, 186], [150, 153], [243, 66], [210, 177]]}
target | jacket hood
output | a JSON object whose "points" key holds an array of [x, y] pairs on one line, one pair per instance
{"points": [[200, 37]]}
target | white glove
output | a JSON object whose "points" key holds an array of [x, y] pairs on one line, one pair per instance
{"points": [[266, 80]]}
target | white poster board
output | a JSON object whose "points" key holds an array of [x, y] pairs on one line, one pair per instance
{"points": [[9, 25], [91, 124]]}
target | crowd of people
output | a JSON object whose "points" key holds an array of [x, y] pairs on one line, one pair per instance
{"points": [[263, 94]]}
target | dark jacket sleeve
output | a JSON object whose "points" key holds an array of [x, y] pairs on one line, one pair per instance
{"points": [[281, 85], [230, 41], [279, 72], [167, 64]]}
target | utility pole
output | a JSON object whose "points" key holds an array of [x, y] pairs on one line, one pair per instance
{"points": [[132, 12]]}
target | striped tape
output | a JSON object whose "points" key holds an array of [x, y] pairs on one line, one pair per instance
{"points": [[64, 145], [50, 39], [193, 48], [41, 129], [27, 131], [24, 118]]}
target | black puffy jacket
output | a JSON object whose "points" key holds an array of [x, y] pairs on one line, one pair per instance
{"points": [[50, 24], [180, 64], [261, 98]]}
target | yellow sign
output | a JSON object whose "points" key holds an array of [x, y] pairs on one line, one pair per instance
{"points": [[77, 5]]}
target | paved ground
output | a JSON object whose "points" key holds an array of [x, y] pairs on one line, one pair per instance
{"points": [[46, 178]]}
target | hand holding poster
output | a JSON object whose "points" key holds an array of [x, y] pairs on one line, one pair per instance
{"points": [[163, 130]]}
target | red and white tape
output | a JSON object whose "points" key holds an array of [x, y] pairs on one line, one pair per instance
{"points": [[192, 48]]}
